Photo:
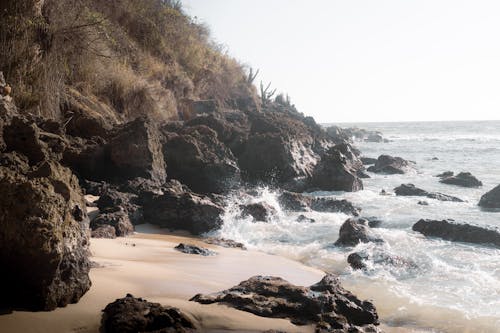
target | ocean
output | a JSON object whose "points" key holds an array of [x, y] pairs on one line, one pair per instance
{"points": [[449, 286]]}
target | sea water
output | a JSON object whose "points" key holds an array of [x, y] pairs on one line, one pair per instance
{"points": [[448, 286]]}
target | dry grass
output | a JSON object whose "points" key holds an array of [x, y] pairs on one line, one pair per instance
{"points": [[139, 57]]}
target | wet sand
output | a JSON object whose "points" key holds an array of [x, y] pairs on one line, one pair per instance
{"points": [[146, 265]]}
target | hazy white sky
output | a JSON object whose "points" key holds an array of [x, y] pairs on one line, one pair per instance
{"points": [[368, 60]]}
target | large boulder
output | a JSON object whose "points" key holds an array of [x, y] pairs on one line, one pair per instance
{"points": [[132, 315], [119, 220], [412, 190], [44, 235], [197, 158], [259, 211], [491, 199], [390, 165], [458, 232], [298, 202], [355, 231], [464, 179], [325, 304], [338, 170], [180, 208]]}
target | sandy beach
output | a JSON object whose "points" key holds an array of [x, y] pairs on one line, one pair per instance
{"points": [[146, 265]]}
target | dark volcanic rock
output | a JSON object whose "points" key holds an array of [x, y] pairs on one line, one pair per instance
{"points": [[304, 219], [325, 304], [197, 158], [458, 232], [355, 231], [225, 243], [180, 208], [193, 249], [117, 219], [465, 179], [423, 203], [337, 170], [260, 211], [445, 174], [301, 203], [357, 260], [491, 199], [412, 190], [104, 231], [390, 165], [368, 160], [111, 200], [43, 233], [132, 315]]}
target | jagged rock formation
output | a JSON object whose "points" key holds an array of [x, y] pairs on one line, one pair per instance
{"points": [[43, 226], [302, 203], [491, 199], [325, 304], [412, 190], [131, 315], [458, 232], [390, 165]]}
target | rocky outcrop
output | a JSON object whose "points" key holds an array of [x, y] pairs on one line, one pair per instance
{"points": [[358, 260], [193, 249], [104, 231], [180, 208], [111, 200], [325, 304], [301, 203], [458, 232], [355, 134], [355, 231], [464, 179], [132, 315], [390, 165], [368, 160], [229, 243], [337, 171], [491, 199], [445, 174], [260, 211], [412, 190], [119, 220], [197, 158], [43, 230]]}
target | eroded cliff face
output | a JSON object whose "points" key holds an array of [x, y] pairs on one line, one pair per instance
{"points": [[44, 235]]}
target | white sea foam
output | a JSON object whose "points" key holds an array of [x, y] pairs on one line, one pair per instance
{"points": [[450, 287]]}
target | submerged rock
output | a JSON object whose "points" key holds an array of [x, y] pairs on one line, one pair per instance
{"points": [[260, 211], [355, 231], [458, 232], [390, 165], [325, 304], [302, 203], [445, 174], [412, 190], [357, 260], [43, 233], [368, 160], [304, 219], [229, 243], [465, 179], [193, 249], [491, 199], [132, 315], [180, 208]]}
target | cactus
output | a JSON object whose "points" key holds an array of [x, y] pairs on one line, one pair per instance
{"points": [[251, 75], [265, 93]]}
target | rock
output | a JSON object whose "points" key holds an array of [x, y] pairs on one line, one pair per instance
{"points": [[445, 174], [412, 190], [294, 201], [355, 231], [136, 151], [330, 205], [117, 219], [23, 137], [355, 133], [458, 232], [104, 231], [356, 260], [423, 203], [193, 249], [390, 165], [337, 171], [180, 208], [325, 303], [374, 222], [229, 243], [304, 219], [132, 315], [111, 200], [368, 160], [464, 179], [434, 159], [491, 199], [260, 211], [197, 158], [43, 232]]}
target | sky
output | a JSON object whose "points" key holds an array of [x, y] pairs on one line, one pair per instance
{"points": [[368, 60]]}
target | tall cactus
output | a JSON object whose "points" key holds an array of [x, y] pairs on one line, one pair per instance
{"points": [[265, 93]]}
